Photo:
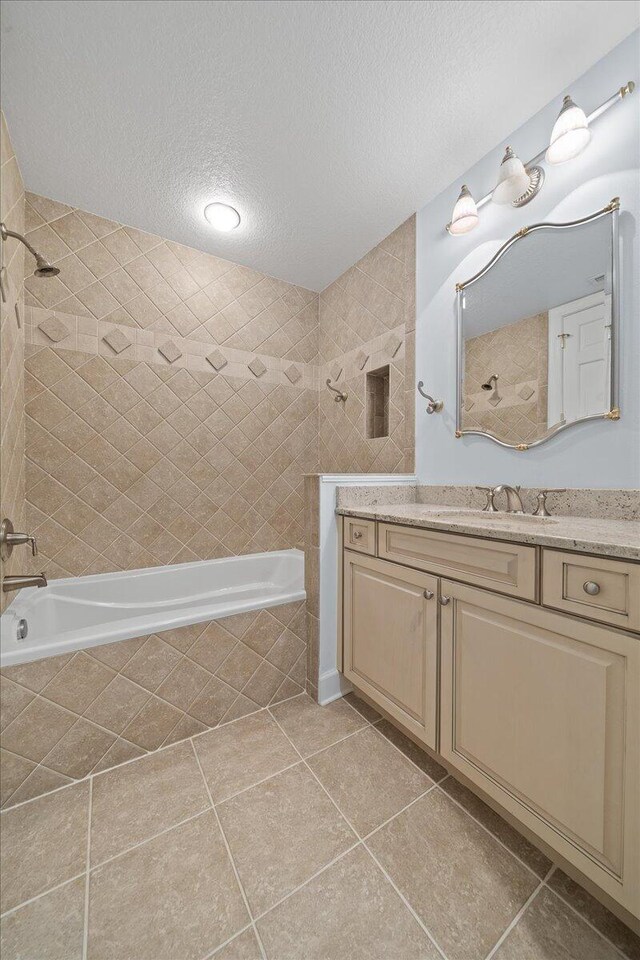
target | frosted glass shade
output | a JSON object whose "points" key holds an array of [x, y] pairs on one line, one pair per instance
{"points": [[465, 214], [222, 217], [513, 179], [570, 134]]}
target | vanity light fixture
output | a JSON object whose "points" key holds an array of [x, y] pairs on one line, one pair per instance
{"points": [[221, 216], [513, 179], [570, 134], [518, 183], [465, 213]]}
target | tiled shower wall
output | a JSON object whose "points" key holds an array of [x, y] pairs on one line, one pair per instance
{"points": [[12, 482], [366, 320], [170, 400]]}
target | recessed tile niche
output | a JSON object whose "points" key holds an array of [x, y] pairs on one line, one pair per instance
{"points": [[378, 403]]}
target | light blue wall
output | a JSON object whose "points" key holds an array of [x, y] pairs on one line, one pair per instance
{"points": [[599, 454]]}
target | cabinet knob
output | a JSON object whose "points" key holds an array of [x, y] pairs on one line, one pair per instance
{"points": [[591, 587], [357, 535], [444, 601], [428, 594]]}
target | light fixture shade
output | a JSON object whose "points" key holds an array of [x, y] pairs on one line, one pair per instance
{"points": [[570, 134], [465, 214], [221, 216], [513, 179]]}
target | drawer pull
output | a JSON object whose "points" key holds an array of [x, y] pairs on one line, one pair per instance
{"points": [[428, 594], [591, 587], [444, 601], [357, 535]]}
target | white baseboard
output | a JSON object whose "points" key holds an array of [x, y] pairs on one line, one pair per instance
{"points": [[331, 686]]}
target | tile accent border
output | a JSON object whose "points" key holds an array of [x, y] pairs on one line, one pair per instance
{"points": [[71, 715]]}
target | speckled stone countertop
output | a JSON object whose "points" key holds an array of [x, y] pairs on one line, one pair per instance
{"points": [[609, 538]]}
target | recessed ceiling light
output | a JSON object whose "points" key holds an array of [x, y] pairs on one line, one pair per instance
{"points": [[221, 216]]}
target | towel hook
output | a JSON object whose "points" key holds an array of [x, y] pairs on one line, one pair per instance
{"points": [[434, 406], [341, 396]]}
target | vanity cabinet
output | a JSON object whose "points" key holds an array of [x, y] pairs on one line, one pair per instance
{"points": [[541, 711], [536, 706], [391, 640]]}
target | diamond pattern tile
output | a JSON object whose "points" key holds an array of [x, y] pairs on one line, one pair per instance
{"points": [[292, 373], [144, 693], [54, 328], [170, 351], [257, 367], [117, 340]]}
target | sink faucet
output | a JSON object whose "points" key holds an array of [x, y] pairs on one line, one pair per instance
{"points": [[20, 581], [514, 502]]}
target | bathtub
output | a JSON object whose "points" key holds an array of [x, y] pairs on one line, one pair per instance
{"points": [[83, 612]]}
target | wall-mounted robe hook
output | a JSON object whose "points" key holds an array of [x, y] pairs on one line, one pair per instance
{"points": [[340, 395], [434, 406]]}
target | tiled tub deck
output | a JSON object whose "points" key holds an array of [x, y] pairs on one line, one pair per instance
{"points": [[67, 716], [297, 833]]}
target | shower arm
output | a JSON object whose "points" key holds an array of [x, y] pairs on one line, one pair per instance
{"points": [[4, 233]]}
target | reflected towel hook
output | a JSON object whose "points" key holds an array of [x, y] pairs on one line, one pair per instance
{"points": [[434, 406], [340, 395]]}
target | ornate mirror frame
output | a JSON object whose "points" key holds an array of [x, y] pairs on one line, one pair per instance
{"points": [[613, 413]]}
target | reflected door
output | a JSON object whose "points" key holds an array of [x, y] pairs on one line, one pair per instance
{"points": [[579, 358]]}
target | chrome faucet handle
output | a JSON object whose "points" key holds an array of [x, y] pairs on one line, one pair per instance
{"points": [[10, 539], [489, 506], [541, 509]]}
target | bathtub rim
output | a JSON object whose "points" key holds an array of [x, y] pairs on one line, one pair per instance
{"points": [[75, 640]]}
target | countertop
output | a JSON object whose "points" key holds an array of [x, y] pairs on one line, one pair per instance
{"points": [[609, 538]]}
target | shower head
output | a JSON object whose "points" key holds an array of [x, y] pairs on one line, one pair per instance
{"points": [[491, 383], [43, 267]]}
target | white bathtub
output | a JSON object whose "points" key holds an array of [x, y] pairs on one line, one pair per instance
{"points": [[86, 611]]}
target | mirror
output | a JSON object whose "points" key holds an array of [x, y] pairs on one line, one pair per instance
{"points": [[537, 331]]}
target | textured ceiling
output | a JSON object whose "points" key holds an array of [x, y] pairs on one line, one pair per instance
{"points": [[327, 122]]}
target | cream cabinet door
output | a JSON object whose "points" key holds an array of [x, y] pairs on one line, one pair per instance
{"points": [[391, 639], [542, 712]]}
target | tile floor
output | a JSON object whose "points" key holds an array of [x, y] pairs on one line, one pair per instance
{"points": [[297, 833]]}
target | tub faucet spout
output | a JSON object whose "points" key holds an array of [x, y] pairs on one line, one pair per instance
{"points": [[19, 582]]}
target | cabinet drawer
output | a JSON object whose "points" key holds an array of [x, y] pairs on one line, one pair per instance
{"points": [[607, 590], [504, 567], [360, 535]]}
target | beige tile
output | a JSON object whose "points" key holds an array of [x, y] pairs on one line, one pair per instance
{"points": [[280, 833], [465, 887], [151, 727], [78, 683], [240, 754], [117, 704], [120, 752], [13, 700], [367, 711], [14, 770], [239, 666], [37, 674], [525, 851], [37, 729], [115, 655], [44, 843], [596, 914], [264, 684], [174, 897], [549, 930], [411, 750], [243, 947], [78, 752], [152, 663], [214, 701], [368, 779], [312, 727], [351, 911], [184, 683], [50, 928], [40, 781], [140, 799]]}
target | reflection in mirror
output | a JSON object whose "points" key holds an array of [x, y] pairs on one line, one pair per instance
{"points": [[536, 329]]}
